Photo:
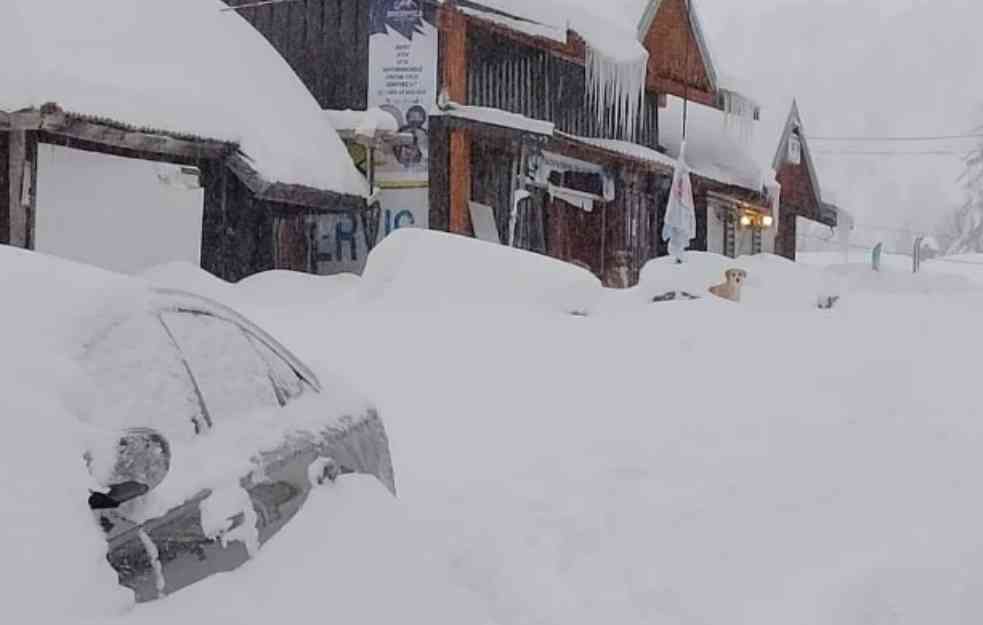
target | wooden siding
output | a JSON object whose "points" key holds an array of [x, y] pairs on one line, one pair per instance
{"points": [[440, 172], [522, 79], [326, 42]]}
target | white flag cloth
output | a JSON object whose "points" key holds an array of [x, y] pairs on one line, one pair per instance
{"points": [[680, 223]]}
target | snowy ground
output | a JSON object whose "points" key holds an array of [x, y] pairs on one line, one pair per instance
{"points": [[688, 462], [694, 462]]}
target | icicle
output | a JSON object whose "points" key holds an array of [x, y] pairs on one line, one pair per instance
{"points": [[739, 114], [616, 88]]}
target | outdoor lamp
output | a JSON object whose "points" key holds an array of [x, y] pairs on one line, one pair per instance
{"points": [[746, 221], [767, 221]]}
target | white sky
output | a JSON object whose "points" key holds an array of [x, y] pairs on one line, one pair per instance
{"points": [[862, 67]]}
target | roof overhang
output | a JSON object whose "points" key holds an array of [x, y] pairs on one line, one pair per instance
{"points": [[154, 144]]}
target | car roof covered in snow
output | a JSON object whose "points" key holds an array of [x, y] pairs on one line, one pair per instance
{"points": [[181, 66]]}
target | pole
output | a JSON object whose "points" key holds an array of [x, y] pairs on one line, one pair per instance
{"points": [[689, 23], [916, 256]]}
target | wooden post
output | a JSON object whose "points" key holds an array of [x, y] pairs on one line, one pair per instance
{"points": [[460, 183], [454, 78], [4, 187], [20, 189]]}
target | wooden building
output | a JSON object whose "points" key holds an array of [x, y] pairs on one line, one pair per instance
{"points": [[250, 223], [593, 190], [220, 116], [801, 196], [488, 61]]}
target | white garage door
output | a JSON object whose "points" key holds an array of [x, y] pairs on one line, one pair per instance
{"points": [[118, 213]]}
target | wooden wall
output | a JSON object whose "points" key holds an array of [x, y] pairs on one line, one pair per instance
{"points": [[237, 229], [521, 79], [325, 41]]}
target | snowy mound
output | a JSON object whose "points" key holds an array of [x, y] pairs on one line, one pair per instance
{"points": [[349, 556], [294, 290], [193, 279], [772, 281], [430, 270], [183, 66], [53, 553], [863, 279]]}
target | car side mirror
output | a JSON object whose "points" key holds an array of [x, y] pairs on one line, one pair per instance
{"points": [[129, 467]]}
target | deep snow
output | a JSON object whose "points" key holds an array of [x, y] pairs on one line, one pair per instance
{"points": [[686, 462]]}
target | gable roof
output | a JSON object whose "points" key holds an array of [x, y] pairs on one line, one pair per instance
{"points": [[794, 125], [649, 13]]}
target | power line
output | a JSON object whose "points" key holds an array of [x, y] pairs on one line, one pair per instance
{"points": [[956, 261], [253, 5], [960, 154], [900, 139]]}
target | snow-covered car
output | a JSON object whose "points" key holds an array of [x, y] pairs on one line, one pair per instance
{"points": [[202, 434], [187, 367]]}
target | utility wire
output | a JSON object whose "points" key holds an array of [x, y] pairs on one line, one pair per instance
{"points": [[900, 139], [253, 5], [894, 153]]}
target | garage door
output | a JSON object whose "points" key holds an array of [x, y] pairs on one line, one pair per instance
{"points": [[118, 213]]}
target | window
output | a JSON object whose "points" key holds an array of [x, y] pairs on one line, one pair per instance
{"points": [[232, 377], [141, 380]]}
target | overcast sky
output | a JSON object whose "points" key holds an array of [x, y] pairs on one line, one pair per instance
{"points": [[862, 67]]}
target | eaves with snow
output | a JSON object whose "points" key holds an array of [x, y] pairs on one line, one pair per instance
{"points": [[617, 34], [181, 67]]}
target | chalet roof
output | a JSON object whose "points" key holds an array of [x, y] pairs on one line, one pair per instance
{"points": [[184, 68], [609, 31], [793, 125], [650, 9]]}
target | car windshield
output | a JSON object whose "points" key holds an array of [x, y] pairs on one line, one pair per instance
{"points": [[141, 379]]}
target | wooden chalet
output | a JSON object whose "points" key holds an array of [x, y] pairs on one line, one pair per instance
{"points": [[801, 195], [483, 159]]}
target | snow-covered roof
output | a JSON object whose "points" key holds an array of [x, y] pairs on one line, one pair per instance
{"points": [[496, 117], [717, 144], [369, 121], [793, 124], [612, 31], [631, 150], [181, 66]]}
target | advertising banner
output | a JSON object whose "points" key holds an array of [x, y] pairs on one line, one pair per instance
{"points": [[403, 82]]}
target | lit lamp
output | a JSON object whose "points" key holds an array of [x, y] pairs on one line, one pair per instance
{"points": [[767, 221], [746, 221]]}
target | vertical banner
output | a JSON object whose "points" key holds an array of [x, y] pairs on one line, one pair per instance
{"points": [[403, 83]]}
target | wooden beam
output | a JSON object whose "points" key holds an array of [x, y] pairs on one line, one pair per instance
{"points": [[304, 199], [573, 50], [20, 184], [62, 124], [460, 183], [453, 27], [25, 120], [670, 86]]}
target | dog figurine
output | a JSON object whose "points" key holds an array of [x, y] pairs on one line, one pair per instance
{"points": [[731, 288]]}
